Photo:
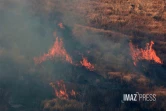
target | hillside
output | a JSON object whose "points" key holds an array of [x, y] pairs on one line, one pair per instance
{"points": [[82, 55]]}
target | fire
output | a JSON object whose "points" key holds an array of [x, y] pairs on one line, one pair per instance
{"points": [[61, 91], [87, 64], [57, 50], [144, 54], [73, 93], [61, 25]]}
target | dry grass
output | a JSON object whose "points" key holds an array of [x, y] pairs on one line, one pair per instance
{"points": [[139, 78], [62, 105]]}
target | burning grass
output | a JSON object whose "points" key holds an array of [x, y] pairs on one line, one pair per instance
{"points": [[144, 54], [62, 91], [87, 64], [108, 19], [57, 50]]}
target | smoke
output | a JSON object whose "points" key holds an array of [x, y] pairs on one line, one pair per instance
{"points": [[26, 32], [23, 35], [106, 47]]}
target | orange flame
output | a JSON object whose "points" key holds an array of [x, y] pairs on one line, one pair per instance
{"points": [[73, 93], [61, 25], [57, 50], [144, 54], [61, 91], [87, 64]]}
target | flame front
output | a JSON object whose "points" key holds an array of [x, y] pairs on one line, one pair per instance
{"points": [[57, 50], [62, 91], [87, 64], [144, 54]]}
